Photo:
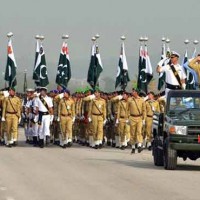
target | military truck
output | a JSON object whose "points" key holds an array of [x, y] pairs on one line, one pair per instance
{"points": [[176, 132]]}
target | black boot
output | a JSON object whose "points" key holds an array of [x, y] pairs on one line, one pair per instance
{"points": [[35, 141], [41, 143]]}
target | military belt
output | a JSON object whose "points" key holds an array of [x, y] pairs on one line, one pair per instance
{"points": [[43, 113], [11, 112], [150, 116], [122, 117], [173, 87], [97, 114], [65, 115], [136, 115]]}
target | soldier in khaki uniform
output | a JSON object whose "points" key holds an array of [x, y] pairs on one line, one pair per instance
{"points": [[76, 125], [152, 106], [66, 116], [97, 116], [122, 119], [11, 114], [137, 114]]}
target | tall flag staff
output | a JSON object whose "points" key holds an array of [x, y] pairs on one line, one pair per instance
{"points": [[95, 67], [190, 84], [161, 80], [11, 66], [40, 68], [141, 69], [64, 68], [36, 72], [148, 66], [122, 78], [25, 80]]}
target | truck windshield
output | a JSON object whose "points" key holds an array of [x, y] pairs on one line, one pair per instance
{"points": [[184, 108]]}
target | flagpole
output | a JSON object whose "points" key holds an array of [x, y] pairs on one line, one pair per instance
{"points": [[25, 80], [123, 38], [94, 39], [9, 35]]}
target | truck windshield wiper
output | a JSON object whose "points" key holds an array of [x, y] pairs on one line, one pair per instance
{"points": [[189, 109]]}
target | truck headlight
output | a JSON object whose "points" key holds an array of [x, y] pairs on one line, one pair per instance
{"points": [[180, 130]]}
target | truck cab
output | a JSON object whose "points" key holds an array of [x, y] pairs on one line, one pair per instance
{"points": [[176, 132]]}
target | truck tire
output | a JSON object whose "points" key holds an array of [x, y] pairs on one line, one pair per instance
{"points": [[157, 153], [170, 156]]}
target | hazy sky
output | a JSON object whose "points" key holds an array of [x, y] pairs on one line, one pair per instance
{"points": [[175, 19]]}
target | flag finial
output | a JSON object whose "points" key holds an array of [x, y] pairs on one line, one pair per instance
{"points": [[65, 37], [186, 41], [163, 39], [195, 42], [10, 34], [97, 36], [123, 37]]}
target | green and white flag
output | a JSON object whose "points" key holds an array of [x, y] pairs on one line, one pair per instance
{"points": [[95, 67], [11, 66], [36, 71], [122, 77], [64, 68], [41, 67]]}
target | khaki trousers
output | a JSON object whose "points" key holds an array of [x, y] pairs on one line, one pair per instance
{"points": [[136, 130], [97, 127], [12, 127], [66, 127], [148, 128]]}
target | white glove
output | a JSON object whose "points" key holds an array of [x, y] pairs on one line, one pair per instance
{"points": [[146, 98], [61, 95], [3, 119], [127, 121], [89, 119], [117, 121], [92, 96], [143, 122], [120, 97], [36, 118], [73, 119], [5, 93], [183, 86], [112, 117], [19, 120], [82, 117], [58, 119], [104, 122], [51, 119]]}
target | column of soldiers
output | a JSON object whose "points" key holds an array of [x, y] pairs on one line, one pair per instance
{"points": [[92, 118]]}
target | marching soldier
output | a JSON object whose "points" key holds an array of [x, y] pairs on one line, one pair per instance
{"points": [[136, 114], [152, 106], [66, 116], [97, 116], [11, 115], [44, 112], [122, 120]]}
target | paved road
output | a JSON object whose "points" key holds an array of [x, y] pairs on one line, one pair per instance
{"points": [[80, 173]]}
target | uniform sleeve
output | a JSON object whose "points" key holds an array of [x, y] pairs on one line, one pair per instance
{"points": [[143, 110], [164, 68], [192, 64], [183, 75], [4, 108], [36, 102], [59, 108], [73, 109]]}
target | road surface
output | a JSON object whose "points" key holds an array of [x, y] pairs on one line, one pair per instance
{"points": [[81, 173]]}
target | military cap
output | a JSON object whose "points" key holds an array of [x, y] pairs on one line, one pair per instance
{"points": [[66, 91], [175, 54], [136, 89], [30, 90], [43, 88], [12, 88]]}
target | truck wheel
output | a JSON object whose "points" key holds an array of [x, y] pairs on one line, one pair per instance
{"points": [[170, 156], [157, 153]]}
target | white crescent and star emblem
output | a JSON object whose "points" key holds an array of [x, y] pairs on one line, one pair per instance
{"points": [[42, 75], [145, 80]]}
